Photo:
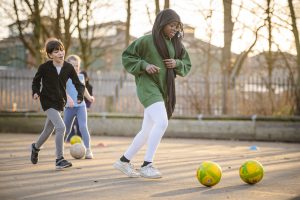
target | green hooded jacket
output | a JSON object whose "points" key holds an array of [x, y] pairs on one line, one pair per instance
{"points": [[151, 88]]}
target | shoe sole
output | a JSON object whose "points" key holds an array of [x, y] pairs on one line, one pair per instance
{"points": [[89, 157], [121, 169], [62, 167], [151, 177]]}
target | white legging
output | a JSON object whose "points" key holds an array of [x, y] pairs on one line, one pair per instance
{"points": [[154, 126]]}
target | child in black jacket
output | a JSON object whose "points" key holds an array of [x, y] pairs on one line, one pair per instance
{"points": [[54, 75]]}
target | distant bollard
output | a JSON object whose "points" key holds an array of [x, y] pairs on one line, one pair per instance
{"points": [[14, 107]]}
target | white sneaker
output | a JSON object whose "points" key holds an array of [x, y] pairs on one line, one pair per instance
{"points": [[126, 168], [150, 171], [89, 154]]}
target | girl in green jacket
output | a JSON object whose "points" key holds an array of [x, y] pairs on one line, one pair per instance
{"points": [[154, 60]]}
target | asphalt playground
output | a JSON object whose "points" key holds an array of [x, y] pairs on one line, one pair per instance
{"points": [[177, 159]]}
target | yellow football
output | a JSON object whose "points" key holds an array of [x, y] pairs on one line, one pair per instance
{"points": [[251, 172], [209, 173], [75, 139]]}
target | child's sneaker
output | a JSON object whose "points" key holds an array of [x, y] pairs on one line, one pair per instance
{"points": [[89, 154], [62, 163], [34, 154], [126, 168], [150, 171]]}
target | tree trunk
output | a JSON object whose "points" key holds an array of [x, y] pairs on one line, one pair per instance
{"points": [[83, 33], [59, 28], [57, 31], [297, 43], [207, 76], [127, 39], [63, 21], [157, 8], [167, 4], [226, 54], [269, 56], [37, 32]]}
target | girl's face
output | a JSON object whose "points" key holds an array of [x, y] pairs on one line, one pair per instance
{"points": [[171, 29], [57, 56], [75, 64]]}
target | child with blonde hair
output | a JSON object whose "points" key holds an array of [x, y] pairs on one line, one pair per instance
{"points": [[78, 110]]}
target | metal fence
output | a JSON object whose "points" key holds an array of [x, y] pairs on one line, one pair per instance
{"points": [[196, 95]]}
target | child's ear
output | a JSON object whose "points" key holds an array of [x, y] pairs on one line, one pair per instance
{"points": [[49, 56]]}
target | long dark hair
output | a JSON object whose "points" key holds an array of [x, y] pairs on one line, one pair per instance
{"points": [[162, 19]]}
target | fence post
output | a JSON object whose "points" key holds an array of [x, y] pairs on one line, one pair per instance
{"points": [[234, 96], [224, 96]]}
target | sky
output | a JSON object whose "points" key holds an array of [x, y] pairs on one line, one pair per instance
{"points": [[192, 12]]}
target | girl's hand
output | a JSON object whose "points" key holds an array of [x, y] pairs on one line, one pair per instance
{"points": [[71, 102], [92, 99], [170, 63], [36, 96], [152, 69]]}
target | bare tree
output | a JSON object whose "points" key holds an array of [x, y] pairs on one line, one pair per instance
{"points": [[238, 64], [157, 7], [269, 55], [94, 39], [90, 45], [167, 4], [33, 44], [228, 31], [208, 54], [127, 38], [297, 43], [226, 55], [28, 14], [149, 15], [63, 20], [85, 31]]}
